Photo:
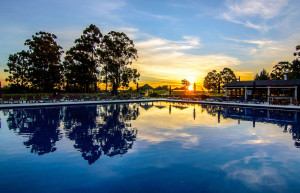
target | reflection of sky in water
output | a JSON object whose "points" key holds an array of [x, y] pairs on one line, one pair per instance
{"points": [[149, 147]]}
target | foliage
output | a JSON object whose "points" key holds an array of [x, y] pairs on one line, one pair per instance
{"points": [[214, 80], [295, 70], [18, 68], [297, 53], [264, 75], [227, 75], [279, 69], [81, 61], [185, 83], [117, 53], [44, 59]]}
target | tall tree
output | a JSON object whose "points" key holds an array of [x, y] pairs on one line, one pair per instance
{"points": [[279, 69], [264, 75], [214, 80], [117, 53], [44, 58], [18, 68], [185, 83], [227, 75], [82, 61], [295, 70]]}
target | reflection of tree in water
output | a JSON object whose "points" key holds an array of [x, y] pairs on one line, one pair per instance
{"points": [[101, 130], [39, 125], [288, 120]]}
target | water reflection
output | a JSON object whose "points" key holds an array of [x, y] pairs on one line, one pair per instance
{"points": [[98, 130], [95, 130], [39, 125], [287, 120]]}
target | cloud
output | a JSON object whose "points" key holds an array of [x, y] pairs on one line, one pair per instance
{"points": [[241, 12], [265, 9], [158, 44], [164, 60], [231, 18], [105, 8], [259, 43], [176, 66]]}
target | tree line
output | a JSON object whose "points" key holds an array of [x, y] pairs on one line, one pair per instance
{"points": [[291, 68], [215, 80], [93, 59]]}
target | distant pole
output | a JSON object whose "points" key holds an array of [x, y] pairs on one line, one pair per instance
{"points": [[194, 87], [170, 90], [137, 88]]}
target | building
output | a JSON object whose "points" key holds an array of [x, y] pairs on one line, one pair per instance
{"points": [[266, 89]]}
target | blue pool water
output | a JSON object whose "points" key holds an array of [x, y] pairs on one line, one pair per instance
{"points": [[149, 147]]}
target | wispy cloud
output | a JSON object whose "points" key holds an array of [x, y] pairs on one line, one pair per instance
{"points": [[242, 12], [259, 43], [247, 23], [158, 44], [265, 9]]}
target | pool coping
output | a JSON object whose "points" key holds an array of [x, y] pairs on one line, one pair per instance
{"points": [[71, 103]]}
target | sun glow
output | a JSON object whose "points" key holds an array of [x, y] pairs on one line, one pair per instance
{"points": [[191, 87]]}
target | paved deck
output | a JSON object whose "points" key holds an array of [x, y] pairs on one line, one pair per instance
{"points": [[71, 103]]}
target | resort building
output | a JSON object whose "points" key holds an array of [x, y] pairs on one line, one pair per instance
{"points": [[265, 89]]}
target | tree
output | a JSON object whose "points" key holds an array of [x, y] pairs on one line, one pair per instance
{"points": [[295, 70], [82, 60], [264, 75], [44, 59], [279, 69], [297, 53], [117, 53], [214, 80], [185, 83], [18, 68], [227, 75]]}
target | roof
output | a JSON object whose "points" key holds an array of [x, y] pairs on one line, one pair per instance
{"points": [[145, 87], [290, 82]]}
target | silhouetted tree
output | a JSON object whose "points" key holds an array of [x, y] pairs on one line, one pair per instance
{"points": [[81, 62], [264, 75], [214, 80], [279, 69], [227, 75], [44, 58], [297, 53], [18, 68], [185, 83], [295, 70], [117, 53]]}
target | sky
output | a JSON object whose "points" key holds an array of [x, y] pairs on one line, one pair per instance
{"points": [[183, 39]]}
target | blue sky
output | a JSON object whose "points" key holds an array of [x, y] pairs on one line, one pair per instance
{"points": [[175, 39]]}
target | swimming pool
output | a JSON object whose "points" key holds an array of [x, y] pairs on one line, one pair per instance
{"points": [[149, 147]]}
